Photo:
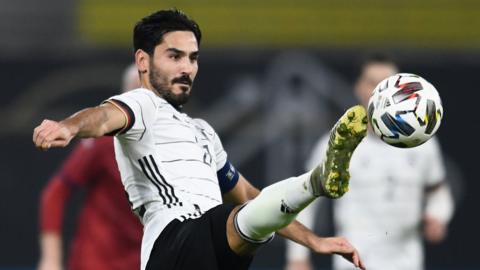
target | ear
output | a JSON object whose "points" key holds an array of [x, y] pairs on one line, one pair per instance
{"points": [[142, 60]]}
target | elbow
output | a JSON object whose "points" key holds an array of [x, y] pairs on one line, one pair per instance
{"points": [[96, 125], [103, 130]]}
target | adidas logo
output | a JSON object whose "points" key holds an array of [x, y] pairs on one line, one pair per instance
{"points": [[231, 173], [286, 209]]}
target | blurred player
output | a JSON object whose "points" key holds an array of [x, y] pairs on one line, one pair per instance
{"points": [[108, 235], [396, 192], [177, 174]]}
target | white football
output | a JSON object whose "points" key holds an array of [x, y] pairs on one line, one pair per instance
{"points": [[405, 110]]}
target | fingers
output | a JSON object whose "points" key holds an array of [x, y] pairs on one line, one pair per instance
{"points": [[340, 246], [40, 133], [349, 252], [38, 130], [357, 261], [49, 134], [355, 258], [362, 265], [58, 143]]}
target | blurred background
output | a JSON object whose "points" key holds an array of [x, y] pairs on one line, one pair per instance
{"points": [[273, 76]]}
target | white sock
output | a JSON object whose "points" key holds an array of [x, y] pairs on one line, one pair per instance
{"points": [[274, 208]]}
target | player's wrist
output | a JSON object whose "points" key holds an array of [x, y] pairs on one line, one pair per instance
{"points": [[315, 243], [71, 128]]}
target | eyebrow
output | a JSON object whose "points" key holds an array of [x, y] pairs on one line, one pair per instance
{"points": [[175, 50]]}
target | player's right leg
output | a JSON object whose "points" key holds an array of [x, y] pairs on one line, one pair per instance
{"points": [[278, 204]]}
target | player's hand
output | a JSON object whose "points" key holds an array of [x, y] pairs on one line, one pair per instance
{"points": [[340, 246], [299, 265], [51, 134], [434, 230]]}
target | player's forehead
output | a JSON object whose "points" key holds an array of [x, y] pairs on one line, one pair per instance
{"points": [[184, 41]]}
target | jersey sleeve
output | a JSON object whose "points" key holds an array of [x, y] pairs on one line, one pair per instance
{"points": [[434, 167], [139, 109], [220, 154], [318, 153], [227, 175]]}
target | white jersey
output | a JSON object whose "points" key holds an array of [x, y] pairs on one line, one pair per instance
{"points": [[381, 215], [168, 162]]}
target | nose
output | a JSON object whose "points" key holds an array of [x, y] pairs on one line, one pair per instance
{"points": [[187, 67]]}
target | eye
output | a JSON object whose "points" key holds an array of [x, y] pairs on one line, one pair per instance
{"points": [[175, 56]]}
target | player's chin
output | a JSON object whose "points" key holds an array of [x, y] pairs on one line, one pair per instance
{"points": [[181, 97]]}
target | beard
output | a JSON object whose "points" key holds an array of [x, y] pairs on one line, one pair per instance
{"points": [[164, 88]]}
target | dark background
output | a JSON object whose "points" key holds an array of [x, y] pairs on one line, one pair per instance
{"points": [[274, 75], [24, 170]]}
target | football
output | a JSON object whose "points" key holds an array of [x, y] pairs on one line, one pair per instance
{"points": [[405, 110]]}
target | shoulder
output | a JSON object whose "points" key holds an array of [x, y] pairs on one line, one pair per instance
{"points": [[204, 125], [142, 96]]}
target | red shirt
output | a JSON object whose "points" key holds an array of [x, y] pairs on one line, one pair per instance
{"points": [[108, 235]]}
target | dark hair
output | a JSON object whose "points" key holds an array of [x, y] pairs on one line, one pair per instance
{"points": [[149, 31], [375, 57]]}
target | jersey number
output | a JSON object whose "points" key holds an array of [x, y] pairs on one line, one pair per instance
{"points": [[207, 156]]}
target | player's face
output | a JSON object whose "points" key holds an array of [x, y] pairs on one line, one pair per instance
{"points": [[372, 74], [174, 66]]}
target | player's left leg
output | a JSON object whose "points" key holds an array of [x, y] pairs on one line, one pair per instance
{"points": [[253, 224], [278, 205]]}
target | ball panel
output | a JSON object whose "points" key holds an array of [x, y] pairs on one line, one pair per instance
{"points": [[407, 91], [431, 116], [397, 125]]}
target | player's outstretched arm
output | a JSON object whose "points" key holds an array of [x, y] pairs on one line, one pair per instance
{"points": [[90, 122]]}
